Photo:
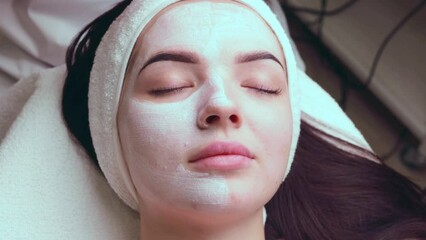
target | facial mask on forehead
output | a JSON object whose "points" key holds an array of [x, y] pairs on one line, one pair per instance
{"points": [[106, 81]]}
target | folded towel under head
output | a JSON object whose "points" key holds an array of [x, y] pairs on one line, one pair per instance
{"points": [[50, 188]]}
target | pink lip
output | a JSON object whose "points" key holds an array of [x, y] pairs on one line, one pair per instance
{"points": [[222, 156]]}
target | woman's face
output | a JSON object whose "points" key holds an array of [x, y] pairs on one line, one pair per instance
{"points": [[206, 74]]}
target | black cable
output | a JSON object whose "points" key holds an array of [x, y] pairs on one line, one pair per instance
{"points": [[385, 42], [345, 86], [321, 18], [360, 86], [395, 147], [344, 92], [322, 13], [335, 11], [365, 85], [373, 68]]}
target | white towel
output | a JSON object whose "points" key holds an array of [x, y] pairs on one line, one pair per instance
{"points": [[49, 188], [322, 111]]}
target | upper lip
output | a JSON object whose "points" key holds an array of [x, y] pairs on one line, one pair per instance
{"points": [[222, 148]]}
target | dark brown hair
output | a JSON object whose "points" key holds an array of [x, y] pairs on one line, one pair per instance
{"points": [[333, 194], [329, 193], [79, 61]]}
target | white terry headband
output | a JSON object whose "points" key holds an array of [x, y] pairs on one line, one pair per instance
{"points": [[108, 72]]}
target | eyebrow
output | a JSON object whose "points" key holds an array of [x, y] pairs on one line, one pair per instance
{"points": [[175, 56], [257, 55], [190, 57]]}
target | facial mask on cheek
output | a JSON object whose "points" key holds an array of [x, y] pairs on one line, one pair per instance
{"points": [[155, 139]]}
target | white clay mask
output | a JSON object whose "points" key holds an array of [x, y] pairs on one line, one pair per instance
{"points": [[157, 149], [160, 133]]}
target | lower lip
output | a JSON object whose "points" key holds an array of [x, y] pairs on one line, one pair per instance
{"points": [[222, 163]]}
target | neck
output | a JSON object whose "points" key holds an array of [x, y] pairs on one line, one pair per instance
{"points": [[172, 226]]}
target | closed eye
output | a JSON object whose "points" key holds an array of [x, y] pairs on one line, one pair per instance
{"points": [[166, 91], [266, 90]]}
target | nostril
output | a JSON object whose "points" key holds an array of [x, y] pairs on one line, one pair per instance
{"points": [[233, 118], [212, 118]]}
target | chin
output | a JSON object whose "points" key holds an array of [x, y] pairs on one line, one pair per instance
{"points": [[248, 196]]}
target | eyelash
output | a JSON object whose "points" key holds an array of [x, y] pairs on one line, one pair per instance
{"points": [[164, 91], [260, 89], [265, 90]]}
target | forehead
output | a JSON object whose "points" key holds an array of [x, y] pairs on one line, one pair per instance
{"points": [[207, 27]]}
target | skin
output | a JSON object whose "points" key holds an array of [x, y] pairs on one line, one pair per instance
{"points": [[218, 99]]}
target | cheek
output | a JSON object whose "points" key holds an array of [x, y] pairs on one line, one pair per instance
{"points": [[273, 129], [150, 136]]}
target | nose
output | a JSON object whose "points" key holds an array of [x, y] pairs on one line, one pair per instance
{"points": [[219, 111]]}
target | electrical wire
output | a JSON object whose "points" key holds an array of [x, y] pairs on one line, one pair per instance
{"points": [[378, 55], [321, 16], [322, 13], [393, 150], [366, 84], [363, 86], [335, 11], [386, 41]]}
